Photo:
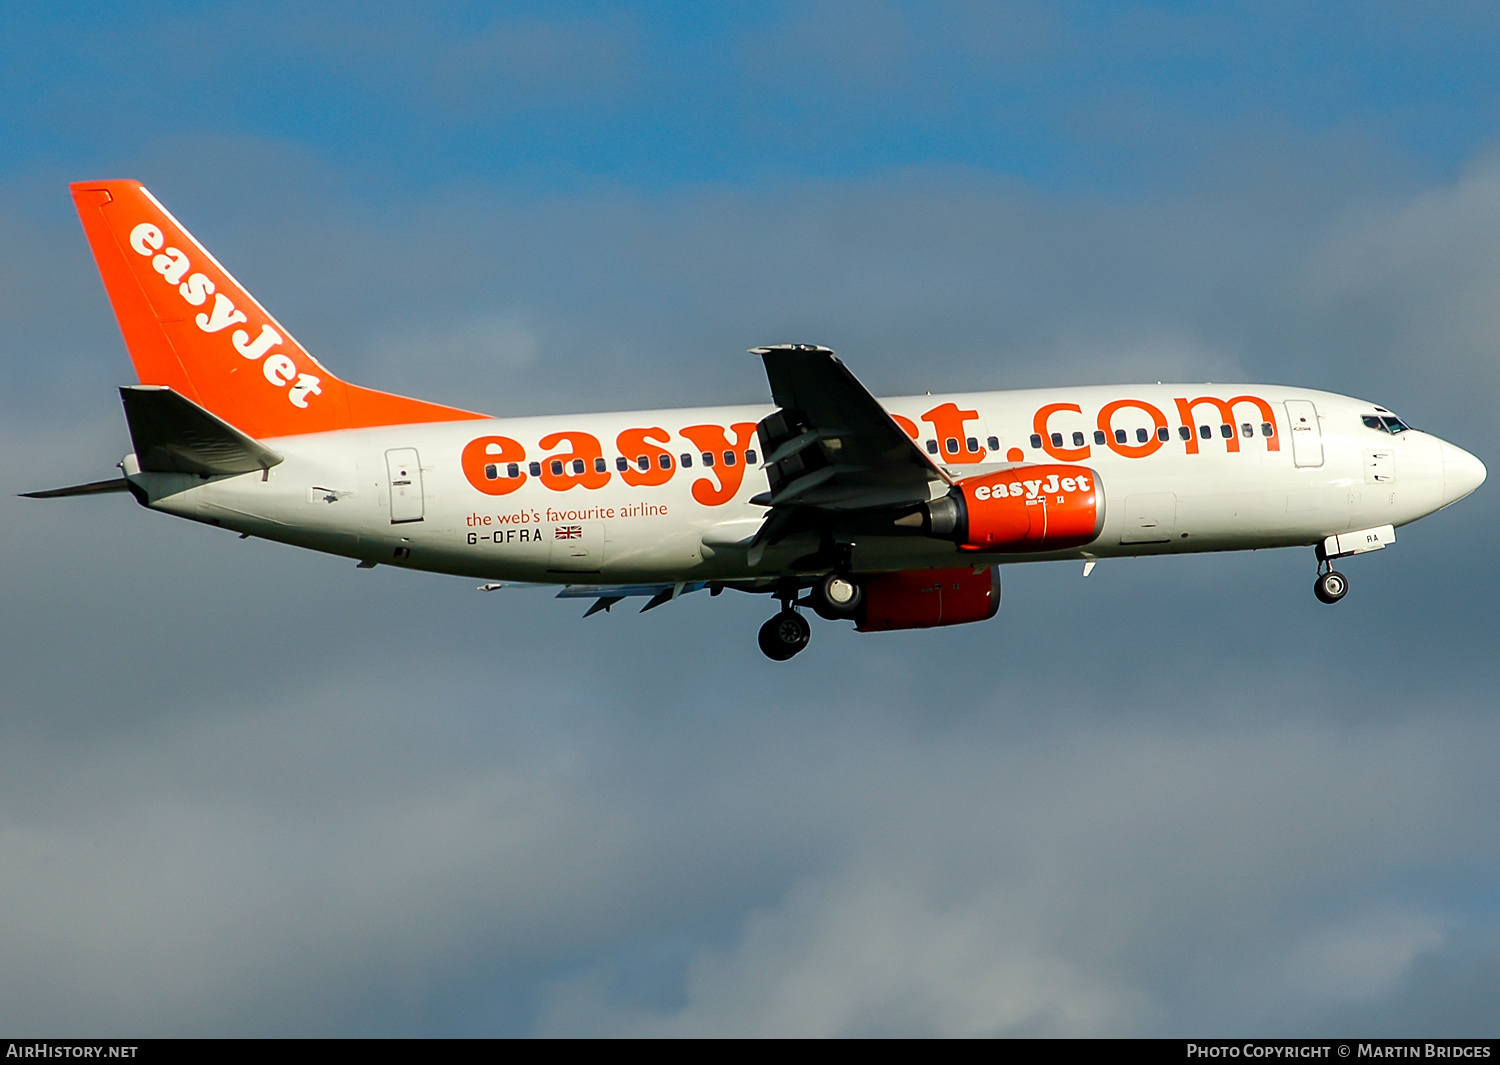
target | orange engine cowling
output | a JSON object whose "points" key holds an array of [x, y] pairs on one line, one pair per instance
{"points": [[1029, 508], [923, 599]]}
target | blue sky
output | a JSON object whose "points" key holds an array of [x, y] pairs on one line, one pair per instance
{"points": [[248, 790], [658, 97]]}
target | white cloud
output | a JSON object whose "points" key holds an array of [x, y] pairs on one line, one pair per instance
{"points": [[865, 956], [1361, 959]]}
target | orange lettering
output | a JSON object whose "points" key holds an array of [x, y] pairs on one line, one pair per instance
{"points": [[585, 450], [1039, 426], [1226, 415], [948, 422], [491, 454], [632, 445], [908, 426], [711, 438], [1131, 451]]}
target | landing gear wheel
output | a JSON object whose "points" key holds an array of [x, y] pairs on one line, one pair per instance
{"points": [[1330, 587], [838, 596], [784, 635]]}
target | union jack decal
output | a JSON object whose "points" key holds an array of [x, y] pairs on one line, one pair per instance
{"points": [[567, 532]]}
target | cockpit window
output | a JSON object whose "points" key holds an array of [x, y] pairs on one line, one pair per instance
{"points": [[1384, 423]]}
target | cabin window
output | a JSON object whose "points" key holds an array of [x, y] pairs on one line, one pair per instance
{"points": [[1057, 439], [622, 464], [1119, 436], [1185, 432], [708, 458], [1141, 436], [1226, 431], [536, 469], [1099, 436], [1205, 432], [993, 441], [950, 445], [664, 461], [1163, 434], [730, 458], [1267, 429], [513, 470], [750, 458], [686, 458], [557, 467], [491, 472], [643, 462], [973, 444], [1247, 430], [932, 445], [578, 466], [1036, 440], [1077, 439]]}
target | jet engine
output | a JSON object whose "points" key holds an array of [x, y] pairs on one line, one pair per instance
{"points": [[1028, 508], [924, 599]]}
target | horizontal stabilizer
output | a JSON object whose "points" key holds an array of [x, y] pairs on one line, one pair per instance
{"points": [[93, 488], [172, 434]]}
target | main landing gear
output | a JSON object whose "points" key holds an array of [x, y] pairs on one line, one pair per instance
{"points": [[836, 597], [784, 635]]}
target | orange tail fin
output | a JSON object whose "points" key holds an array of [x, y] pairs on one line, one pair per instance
{"points": [[189, 325]]}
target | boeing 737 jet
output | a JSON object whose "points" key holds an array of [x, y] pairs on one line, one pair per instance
{"points": [[893, 513]]}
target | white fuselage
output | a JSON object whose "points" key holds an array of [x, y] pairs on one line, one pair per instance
{"points": [[1281, 478]]}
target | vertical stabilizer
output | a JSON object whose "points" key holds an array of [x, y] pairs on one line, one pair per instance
{"points": [[190, 326]]}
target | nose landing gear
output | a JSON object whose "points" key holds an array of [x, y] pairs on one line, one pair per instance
{"points": [[1331, 586]]}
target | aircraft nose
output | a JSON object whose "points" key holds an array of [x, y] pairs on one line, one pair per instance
{"points": [[1462, 473]]}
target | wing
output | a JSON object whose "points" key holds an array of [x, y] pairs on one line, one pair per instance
{"points": [[831, 445]]}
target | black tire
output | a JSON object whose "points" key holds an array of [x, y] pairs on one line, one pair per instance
{"points": [[1330, 587], [784, 635], [838, 596]]}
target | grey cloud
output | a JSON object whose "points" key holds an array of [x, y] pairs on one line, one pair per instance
{"points": [[1419, 281]]}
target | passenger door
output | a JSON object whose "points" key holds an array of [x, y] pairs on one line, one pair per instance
{"points": [[1307, 436]]}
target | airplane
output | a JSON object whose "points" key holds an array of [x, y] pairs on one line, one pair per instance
{"points": [[892, 513]]}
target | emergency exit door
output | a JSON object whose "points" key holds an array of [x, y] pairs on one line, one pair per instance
{"points": [[405, 472]]}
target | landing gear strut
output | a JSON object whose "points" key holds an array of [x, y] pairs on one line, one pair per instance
{"points": [[788, 632], [1331, 585]]}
